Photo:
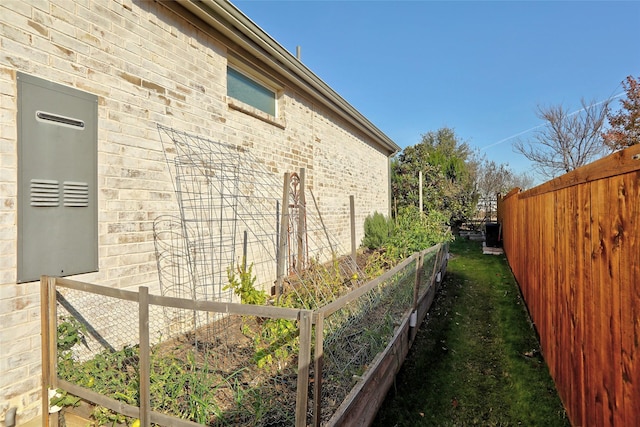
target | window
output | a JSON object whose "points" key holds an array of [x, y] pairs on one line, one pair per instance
{"points": [[251, 92]]}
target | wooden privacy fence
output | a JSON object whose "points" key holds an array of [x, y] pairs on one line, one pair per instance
{"points": [[65, 302], [573, 245]]}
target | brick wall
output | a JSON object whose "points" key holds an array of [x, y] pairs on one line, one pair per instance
{"points": [[149, 65]]}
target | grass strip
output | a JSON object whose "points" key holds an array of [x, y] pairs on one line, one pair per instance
{"points": [[476, 359]]}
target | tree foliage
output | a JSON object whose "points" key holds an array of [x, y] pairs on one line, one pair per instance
{"points": [[625, 124], [449, 169], [567, 140]]}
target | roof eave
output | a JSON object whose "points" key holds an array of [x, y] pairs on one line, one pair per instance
{"points": [[230, 21]]}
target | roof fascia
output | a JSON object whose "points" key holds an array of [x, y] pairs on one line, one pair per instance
{"points": [[231, 22]]}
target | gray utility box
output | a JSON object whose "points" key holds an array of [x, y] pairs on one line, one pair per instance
{"points": [[57, 180]]}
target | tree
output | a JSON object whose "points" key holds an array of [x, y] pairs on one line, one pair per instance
{"points": [[496, 178], [625, 124], [568, 140], [523, 181], [493, 179], [449, 169], [499, 178]]}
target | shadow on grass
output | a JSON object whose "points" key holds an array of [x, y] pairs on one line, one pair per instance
{"points": [[476, 359]]}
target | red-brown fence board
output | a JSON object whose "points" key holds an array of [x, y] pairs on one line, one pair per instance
{"points": [[630, 298], [573, 245]]}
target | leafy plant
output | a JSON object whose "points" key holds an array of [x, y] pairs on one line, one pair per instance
{"points": [[106, 417], [415, 231], [69, 333], [275, 342], [410, 232], [64, 399], [242, 282]]}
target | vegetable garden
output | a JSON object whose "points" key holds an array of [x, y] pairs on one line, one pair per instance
{"points": [[261, 372]]}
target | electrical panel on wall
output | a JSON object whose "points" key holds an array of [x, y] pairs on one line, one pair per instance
{"points": [[57, 179]]}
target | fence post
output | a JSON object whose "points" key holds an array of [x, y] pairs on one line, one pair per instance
{"points": [[418, 279], [284, 234], [145, 373], [304, 360], [317, 370], [420, 189], [352, 215], [302, 214], [49, 356]]}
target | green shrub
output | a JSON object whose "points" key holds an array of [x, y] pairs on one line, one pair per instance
{"points": [[414, 231], [376, 231]]}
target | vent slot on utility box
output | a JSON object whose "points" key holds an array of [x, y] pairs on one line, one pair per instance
{"points": [[57, 179], [56, 119], [45, 193]]}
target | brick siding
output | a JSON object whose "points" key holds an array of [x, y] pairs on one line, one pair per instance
{"points": [[149, 65]]}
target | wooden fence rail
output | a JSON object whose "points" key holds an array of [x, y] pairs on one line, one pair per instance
{"points": [[353, 408], [573, 245]]}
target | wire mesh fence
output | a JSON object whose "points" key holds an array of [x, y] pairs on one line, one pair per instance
{"points": [[244, 366], [357, 332]]}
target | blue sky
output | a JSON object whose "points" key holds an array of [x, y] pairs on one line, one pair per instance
{"points": [[481, 68]]}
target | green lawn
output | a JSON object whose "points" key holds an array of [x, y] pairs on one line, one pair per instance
{"points": [[476, 358]]}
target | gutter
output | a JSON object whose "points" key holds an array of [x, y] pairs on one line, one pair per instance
{"points": [[230, 21]]}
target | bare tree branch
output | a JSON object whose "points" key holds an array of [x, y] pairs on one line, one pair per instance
{"points": [[568, 141]]}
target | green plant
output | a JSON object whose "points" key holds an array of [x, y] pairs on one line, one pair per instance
{"points": [[63, 399], [377, 263], [376, 231], [275, 342], [106, 417], [411, 231], [242, 282], [414, 231], [69, 333]]}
